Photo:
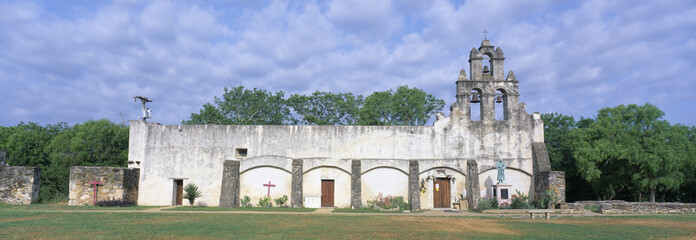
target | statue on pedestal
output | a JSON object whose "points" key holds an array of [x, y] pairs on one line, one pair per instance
{"points": [[501, 171]]}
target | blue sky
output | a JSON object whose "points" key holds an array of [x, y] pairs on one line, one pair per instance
{"points": [[78, 60]]}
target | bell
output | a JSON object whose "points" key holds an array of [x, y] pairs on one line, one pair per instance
{"points": [[485, 69], [498, 99], [475, 98]]}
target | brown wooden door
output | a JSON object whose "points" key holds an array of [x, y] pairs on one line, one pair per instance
{"points": [[441, 193], [327, 193], [179, 191]]}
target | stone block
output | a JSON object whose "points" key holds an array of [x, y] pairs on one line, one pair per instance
{"points": [[116, 184], [355, 184], [296, 186], [229, 191], [19, 185]]}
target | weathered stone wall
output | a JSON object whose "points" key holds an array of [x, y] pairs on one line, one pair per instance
{"points": [[550, 180], [117, 183], [19, 185], [623, 207]]}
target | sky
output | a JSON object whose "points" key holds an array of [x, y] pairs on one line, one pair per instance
{"points": [[76, 60]]}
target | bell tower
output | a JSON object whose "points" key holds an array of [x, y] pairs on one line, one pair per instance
{"points": [[487, 88]]}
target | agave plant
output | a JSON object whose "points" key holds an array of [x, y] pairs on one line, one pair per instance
{"points": [[191, 193]]}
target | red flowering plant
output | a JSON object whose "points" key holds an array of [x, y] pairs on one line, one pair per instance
{"points": [[388, 202]]}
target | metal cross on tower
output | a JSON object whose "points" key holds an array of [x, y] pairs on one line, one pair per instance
{"points": [[485, 32]]}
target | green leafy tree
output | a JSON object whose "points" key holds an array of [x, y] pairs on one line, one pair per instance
{"points": [[92, 143], [557, 130], [628, 149], [405, 106], [324, 108], [239, 106], [191, 192]]}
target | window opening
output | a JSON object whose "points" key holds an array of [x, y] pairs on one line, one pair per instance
{"points": [[241, 152]]}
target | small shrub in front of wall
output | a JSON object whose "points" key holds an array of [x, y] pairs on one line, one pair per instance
{"points": [[116, 203], [520, 201], [549, 200], [245, 201], [388, 202], [485, 204], [265, 202], [280, 202], [191, 193]]}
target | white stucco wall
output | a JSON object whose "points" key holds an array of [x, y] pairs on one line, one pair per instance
{"points": [[388, 181], [251, 183]]}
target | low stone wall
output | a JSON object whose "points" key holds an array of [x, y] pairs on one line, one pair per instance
{"points": [[572, 208], [117, 183], [623, 207], [19, 185]]}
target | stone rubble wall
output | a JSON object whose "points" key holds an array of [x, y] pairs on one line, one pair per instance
{"points": [[550, 180], [623, 207], [117, 183], [19, 185]]}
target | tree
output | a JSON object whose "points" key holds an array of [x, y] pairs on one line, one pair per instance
{"points": [[406, 106], [324, 108], [239, 106], [191, 193], [557, 130], [633, 147], [92, 143]]}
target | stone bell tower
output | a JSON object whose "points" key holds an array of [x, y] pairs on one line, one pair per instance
{"points": [[488, 86]]}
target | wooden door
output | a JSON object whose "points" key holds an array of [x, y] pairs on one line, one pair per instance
{"points": [[179, 191], [327, 193], [441, 193]]}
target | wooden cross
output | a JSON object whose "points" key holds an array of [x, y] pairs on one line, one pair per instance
{"points": [[269, 185], [95, 183], [484, 34]]}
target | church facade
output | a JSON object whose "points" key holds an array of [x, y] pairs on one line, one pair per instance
{"points": [[346, 166]]}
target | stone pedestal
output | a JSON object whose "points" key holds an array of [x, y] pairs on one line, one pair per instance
{"points": [[502, 193]]}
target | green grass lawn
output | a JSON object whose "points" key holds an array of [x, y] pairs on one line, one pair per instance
{"points": [[258, 209], [65, 206], [168, 225]]}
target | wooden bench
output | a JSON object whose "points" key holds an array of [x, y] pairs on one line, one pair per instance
{"points": [[546, 212]]}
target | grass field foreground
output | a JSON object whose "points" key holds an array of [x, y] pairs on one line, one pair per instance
{"points": [[255, 209], [65, 206], [162, 225]]}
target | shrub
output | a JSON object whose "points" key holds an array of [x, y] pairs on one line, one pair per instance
{"points": [[485, 205], [191, 193], [116, 203], [265, 202], [520, 201], [280, 202], [245, 201], [389, 202]]}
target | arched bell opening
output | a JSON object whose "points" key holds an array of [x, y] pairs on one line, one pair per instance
{"points": [[475, 105], [501, 106], [487, 64]]}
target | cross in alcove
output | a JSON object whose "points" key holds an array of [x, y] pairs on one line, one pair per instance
{"points": [[269, 185], [485, 32]]}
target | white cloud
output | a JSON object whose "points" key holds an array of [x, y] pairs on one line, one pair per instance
{"points": [[570, 57]]}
